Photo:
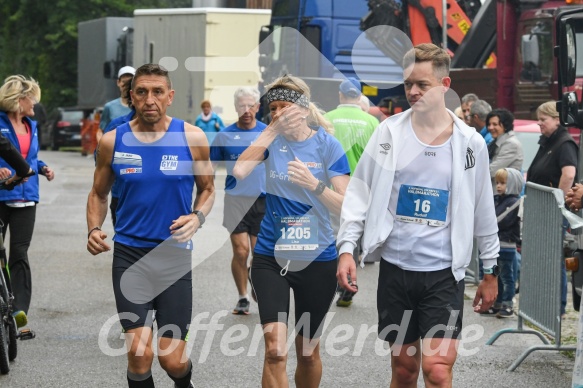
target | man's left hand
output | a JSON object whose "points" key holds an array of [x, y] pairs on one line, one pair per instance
{"points": [[486, 294], [184, 227]]}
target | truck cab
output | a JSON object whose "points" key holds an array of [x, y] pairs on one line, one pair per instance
{"points": [[324, 40], [321, 42], [330, 27], [569, 37], [534, 69]]}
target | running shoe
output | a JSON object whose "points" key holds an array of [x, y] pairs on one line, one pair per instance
{"points": [[20, 318], [242, 307], [505, 312], [345, 298], [491, 312]]}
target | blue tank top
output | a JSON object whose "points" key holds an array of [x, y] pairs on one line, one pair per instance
{"points": [[156, 181]]}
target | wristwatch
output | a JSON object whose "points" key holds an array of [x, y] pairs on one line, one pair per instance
{"points": [[200, 217], [320, 188], [495, 270]]}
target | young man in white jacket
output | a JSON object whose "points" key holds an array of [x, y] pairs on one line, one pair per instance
{"points": [[423, 187]]}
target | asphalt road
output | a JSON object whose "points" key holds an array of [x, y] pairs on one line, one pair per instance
{"points": [[78, 341]]}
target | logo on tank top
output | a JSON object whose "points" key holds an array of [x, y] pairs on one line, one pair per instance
{"points": [[127, 158], [169, 163], [132, 170]]}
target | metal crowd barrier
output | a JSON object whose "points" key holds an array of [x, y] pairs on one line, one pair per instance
{"points": [[540, 273]]}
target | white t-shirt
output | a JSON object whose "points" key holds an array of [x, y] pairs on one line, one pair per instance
{"points": [[420, 204]]}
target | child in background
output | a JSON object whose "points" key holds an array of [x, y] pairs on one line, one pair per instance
{"points": [[509, 183]]}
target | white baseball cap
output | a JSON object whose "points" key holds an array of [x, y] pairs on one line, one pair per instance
{"points": [[126, 70]]}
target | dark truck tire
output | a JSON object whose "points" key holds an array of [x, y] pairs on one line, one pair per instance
{"points": [[576, 296]]}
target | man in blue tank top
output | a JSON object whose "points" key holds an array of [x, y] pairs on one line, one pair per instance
{"points": [[156, 159], [245, 198]]}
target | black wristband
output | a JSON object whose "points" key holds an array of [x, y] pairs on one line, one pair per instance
{"points": [[320, 188], [93, 230], [200, 216]]}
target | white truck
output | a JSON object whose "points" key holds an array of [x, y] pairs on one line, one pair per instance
{"points": [[210, 52]]}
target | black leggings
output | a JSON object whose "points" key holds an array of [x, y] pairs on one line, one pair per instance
{"points": [[314, 288], [21, 221]]}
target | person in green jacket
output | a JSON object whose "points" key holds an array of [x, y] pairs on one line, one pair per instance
{"points": [[353, 128]]}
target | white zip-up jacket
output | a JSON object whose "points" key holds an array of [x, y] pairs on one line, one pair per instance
{"points": [[365, 209]]}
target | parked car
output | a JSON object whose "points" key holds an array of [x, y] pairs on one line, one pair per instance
{"points": [[63, 128], [528, 133]]}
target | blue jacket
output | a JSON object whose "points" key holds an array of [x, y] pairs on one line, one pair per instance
{"points": [[27, 191], [486, 135]]}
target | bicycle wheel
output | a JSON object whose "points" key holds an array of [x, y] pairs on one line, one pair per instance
{"points": [[4, 362], [12, 339]]}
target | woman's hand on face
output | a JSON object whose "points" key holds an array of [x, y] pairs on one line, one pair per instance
{"points": [[290, 116], [300, 175]]}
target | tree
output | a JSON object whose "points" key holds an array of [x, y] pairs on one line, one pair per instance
{"points": [[39, 39]]}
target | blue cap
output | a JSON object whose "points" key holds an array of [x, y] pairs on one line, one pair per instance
{"points": [[350, 87]]}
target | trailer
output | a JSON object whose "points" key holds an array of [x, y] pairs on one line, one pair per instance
{"points": [[210, 52], [98, 45]]}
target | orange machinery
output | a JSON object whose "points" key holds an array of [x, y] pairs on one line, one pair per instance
{"points": [[425, 14]]}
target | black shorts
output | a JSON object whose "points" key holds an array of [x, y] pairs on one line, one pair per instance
{"points": [[413, 305], [159, 280], [314, 288], [243, 214]]}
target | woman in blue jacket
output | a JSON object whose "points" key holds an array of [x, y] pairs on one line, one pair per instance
{"points": [[18, 95], [209, 121]]}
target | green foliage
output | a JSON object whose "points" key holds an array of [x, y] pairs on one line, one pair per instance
{"points": [[39, 39]]}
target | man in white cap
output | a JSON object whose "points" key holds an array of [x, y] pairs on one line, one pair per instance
{"points": [[353, 128], [119, 106]]}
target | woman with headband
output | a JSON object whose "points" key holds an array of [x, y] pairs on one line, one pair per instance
{"points": [[307, 174]]}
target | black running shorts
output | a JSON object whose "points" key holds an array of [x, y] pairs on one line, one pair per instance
{"points": [[243, 214], [413, 305], [160, 279], [314, 288]]}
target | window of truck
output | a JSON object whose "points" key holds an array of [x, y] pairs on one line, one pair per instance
{"points": [[535, 51]]}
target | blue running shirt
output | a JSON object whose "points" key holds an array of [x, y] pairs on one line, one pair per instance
{"points": [[292, 213], [156, 181], [228, 145]]}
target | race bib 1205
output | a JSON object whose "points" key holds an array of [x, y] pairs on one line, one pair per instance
{"points": [[296, 233]]}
